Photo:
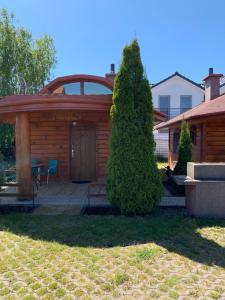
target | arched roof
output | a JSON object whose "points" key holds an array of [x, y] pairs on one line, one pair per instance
{"points": [[59, 81], [46, 100]]}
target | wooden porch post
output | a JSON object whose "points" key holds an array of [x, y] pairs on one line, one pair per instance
{"points": [[23, 157]]}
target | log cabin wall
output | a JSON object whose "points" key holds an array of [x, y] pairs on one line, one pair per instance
{"points": [[197, 144], [215, 140], [50, 137]]}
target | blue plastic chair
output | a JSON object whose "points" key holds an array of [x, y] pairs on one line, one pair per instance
{"points": [[53, 168]]}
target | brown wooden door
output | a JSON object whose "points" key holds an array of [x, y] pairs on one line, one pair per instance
{"points": [[83, 152]]}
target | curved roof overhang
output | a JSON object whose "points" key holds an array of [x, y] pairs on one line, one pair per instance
{"points": [[46, 100], [59, 81], [11, 105], [39, 102]]}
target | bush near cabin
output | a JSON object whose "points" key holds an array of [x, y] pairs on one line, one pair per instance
{"points": [[185, 150], [133, 181], [2, 178]]}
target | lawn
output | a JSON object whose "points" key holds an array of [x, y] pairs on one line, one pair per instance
{"points": [[166, 255], [162, 163]]}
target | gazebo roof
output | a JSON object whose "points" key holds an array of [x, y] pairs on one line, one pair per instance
{"points": [[51, 99], [46, 102]]}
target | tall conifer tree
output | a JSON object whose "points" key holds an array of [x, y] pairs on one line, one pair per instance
{"points": [[185, 150], [133, 182]]}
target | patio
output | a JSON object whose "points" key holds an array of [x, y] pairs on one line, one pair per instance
{"points": [[57, 194], [68, 195]]}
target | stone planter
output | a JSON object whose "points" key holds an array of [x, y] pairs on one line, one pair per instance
{"points": [[205, 189]]}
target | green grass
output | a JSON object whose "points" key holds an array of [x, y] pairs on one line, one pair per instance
{"points": [[147, 254], [162, 163], [78, 257]]}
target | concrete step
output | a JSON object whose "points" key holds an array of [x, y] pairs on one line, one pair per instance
{"points": [[172, 201], [57, 210]]}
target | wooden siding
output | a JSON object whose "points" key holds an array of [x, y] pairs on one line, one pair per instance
{"points": [[50, 137], [215, 140], [196, 148]]}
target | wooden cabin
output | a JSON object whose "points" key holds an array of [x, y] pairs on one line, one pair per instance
{"points": [[67, 120], [207, 126]]}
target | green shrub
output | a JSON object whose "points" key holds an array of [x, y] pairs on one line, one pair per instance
{"points": [[185, 150], [2, 178], [1, 158], [133, 182]]}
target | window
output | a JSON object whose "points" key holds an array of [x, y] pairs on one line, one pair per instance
{"points": [[86, 88], [93, 88], [164, 105], [72, 88], [193, 134], [185, 103]]}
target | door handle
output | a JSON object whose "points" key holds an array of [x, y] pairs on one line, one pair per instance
{"points": [[72, 151]]}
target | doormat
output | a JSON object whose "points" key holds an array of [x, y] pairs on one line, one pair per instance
{"points": [[81, 181], [100, 210]]}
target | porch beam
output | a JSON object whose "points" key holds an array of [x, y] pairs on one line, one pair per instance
{"points": [[23, 155]]}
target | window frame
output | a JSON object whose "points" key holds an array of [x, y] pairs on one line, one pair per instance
{"points": [[183, 110], [166, 110], [193, 134], [81, 84]]}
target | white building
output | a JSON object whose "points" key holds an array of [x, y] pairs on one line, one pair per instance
{"points": [[173, 96], [222, 85]]}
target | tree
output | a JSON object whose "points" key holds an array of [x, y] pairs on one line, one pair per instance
{"points": [[185, 150], [2, 177], [133, 182], [25, 64]]}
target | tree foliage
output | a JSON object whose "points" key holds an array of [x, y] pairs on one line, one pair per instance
{"points": [[25, 63], [185, 150], [2, 177], [133, 182]]}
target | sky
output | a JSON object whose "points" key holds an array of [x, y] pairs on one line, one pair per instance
{"points": [[174, 35]]}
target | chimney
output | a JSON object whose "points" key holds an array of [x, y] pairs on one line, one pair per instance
{"points": [[111, 76], [212, 85]]}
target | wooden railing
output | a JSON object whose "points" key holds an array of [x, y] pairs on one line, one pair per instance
{"points": [[19, 196], [96, 190]]}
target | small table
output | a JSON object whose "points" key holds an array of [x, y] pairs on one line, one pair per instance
{"points": [[37, 178]]}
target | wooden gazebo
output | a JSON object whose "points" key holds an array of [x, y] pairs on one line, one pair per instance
{"points": [[67, 120]]}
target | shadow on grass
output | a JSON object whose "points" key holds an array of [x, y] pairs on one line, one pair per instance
{"points": [[176, 232]]}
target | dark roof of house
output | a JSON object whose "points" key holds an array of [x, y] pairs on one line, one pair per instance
{"points": [[208, 108], [201, 86]]}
